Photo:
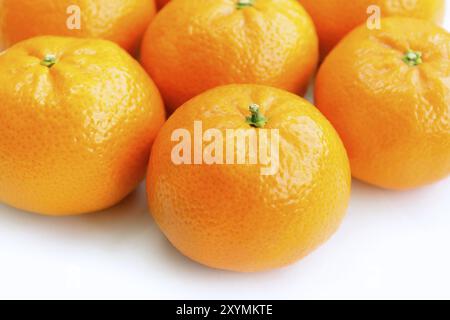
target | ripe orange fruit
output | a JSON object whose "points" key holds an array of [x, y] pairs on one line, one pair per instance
{"points": [[335, 18], [387, 92], [195, 45], [232, 216], [77, 120], [121, 21]]}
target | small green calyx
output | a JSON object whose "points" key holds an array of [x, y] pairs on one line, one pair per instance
{"points": [[413, 58], [256, 120], [241, 4], [49, 60]]}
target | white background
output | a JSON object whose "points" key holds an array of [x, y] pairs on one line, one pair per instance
{"points": [[391, 245]]}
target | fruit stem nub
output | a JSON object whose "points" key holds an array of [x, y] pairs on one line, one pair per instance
{"points": [[413, 58], [241, 4], [256, 120], [49, 60]]}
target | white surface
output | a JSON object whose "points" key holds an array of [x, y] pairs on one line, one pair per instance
{"points": [[391, 245]]}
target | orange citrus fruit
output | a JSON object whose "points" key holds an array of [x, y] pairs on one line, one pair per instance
{"points": [[195, 45], [387, 92], [335, 18], [231, 215], [121, 21], [77, 120]]}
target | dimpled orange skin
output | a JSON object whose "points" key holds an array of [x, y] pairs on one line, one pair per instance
{"points": [[76, 137], [195, 45], [392, 117], [232, 217], [121, 21], [335, 18]]}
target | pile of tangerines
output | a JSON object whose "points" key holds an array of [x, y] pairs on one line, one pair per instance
{"points": [[82, 109]]}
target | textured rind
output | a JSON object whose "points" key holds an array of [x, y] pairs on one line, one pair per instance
{"points": [[76, 137], [121, 21], [394, 119], [229, 216], [336, 18], [192, 46]]}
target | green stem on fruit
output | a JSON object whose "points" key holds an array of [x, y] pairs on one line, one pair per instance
{"points": [[256, 119], [241, 4], [49, 60], [412, 58]]}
